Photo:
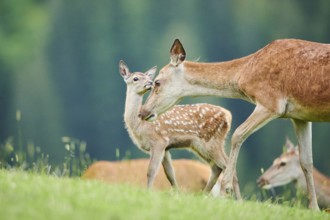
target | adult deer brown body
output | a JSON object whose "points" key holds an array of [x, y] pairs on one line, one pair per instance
{"points": [[286, 168], [191, 175], [201, 128], [286, 79]]}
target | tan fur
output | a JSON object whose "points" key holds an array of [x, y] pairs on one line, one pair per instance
{"points": [[201, 128], [286, 168], [286, 79], [191, 175], [202, 120], [306, 91]]}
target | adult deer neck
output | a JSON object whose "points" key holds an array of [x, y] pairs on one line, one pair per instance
{"points": [[220, 79]]}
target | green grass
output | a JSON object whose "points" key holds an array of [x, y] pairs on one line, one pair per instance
{"points": [[26, 195]]}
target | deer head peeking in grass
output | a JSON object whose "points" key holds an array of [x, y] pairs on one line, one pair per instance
{"points": [[286, 169]]}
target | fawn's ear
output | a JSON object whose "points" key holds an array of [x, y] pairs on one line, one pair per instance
{"points": [[123, 69], [178, 54], [289, 145], [151, 72]]}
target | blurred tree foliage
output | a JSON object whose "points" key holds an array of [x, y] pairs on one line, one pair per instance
{"points": [[59, 66], [24, 75]]}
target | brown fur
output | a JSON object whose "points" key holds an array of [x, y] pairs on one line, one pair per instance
{"points": [[296, 70], [286, 79], [307, 86], [204, 120], [191, 175], [268, 70]]}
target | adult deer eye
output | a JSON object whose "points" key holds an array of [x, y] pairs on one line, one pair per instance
{"points": [[282, 164], [135, 79]]}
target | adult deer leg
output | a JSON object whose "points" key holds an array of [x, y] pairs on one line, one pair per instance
{"points": [[259, 117], [304, 135], [168, 169], [236, 188]]}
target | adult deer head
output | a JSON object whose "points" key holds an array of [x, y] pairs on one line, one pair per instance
{"points": [[169, 86]]}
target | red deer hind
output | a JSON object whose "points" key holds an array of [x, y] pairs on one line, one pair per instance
{"points": [[286, 79], [286, 168], [191, 175]]}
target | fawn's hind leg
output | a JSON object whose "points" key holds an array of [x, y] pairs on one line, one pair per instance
{"points": [[215, 173], [168, 169]]}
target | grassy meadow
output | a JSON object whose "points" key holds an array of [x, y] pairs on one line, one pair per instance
{"points": [[33, 188], [28, 195]]}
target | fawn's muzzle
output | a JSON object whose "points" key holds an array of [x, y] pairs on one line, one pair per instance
{"points": [[146, 115]]}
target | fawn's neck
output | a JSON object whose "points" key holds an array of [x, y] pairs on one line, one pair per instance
{"points": [[132, 106]]}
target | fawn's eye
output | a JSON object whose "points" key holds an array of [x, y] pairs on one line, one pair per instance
{"points": [[135, 79], [157, 83]]}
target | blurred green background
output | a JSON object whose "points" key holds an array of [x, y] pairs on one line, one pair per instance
{"points": [[59, 67]]}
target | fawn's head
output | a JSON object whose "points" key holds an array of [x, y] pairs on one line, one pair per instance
{"points": [[285, 169], [139, 82], [169, 85]]}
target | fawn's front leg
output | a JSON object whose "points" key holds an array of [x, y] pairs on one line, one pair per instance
{"points": [[156, 157], [168, 169]]}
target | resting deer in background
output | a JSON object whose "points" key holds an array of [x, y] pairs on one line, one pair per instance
{"points": [[286, 79], [191, 175], [201, 128], [286, 168]]}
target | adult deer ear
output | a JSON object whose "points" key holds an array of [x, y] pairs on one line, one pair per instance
{"points": [[123, 69], [151, 72], [178, 54]]}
